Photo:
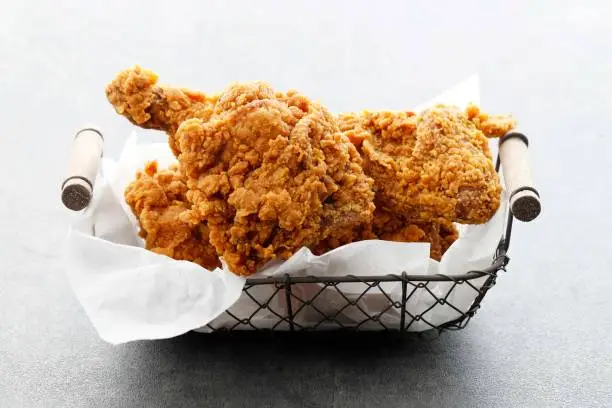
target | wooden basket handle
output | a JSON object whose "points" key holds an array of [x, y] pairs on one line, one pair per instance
{"points": [[514, 155], [77, 188]]}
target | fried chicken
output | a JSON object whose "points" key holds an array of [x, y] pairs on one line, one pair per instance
{"points": [[491, 126], [271, 173], [157, 198], [431, 167], [134, 93], [388, 226], [265, 173]]}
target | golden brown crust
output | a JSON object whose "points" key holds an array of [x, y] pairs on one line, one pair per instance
{"points": [[135, 94], [388, 226], [264, 173], [490, 125], [157, 198], [436, 165], [271, 173]]}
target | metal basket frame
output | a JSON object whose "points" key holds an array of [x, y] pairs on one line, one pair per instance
{"points": [[410, 284]]}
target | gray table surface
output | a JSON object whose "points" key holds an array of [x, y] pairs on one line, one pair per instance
{"points": [[542, 336]]}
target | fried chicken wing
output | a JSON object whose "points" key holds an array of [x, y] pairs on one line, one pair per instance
{"points": [[431, 167], [271, 173], [157, 198], [135, 94]]}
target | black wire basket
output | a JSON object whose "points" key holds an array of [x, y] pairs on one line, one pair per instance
{"points": [[287, 291], [410, 284]]}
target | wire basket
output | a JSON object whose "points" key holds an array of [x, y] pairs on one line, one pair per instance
{"points": [[287, 291]]}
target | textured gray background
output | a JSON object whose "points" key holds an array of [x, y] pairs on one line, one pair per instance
{"points": [[542, 337]]}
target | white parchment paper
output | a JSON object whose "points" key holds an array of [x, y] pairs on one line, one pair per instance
{"points": [[131, 294]]}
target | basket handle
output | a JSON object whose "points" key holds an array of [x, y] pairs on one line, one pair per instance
{"points": [[514, 155], [77, 188]]}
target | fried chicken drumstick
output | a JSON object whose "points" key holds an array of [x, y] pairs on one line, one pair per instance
{"points": [[268, 173], [135, 94], [157, 198], [434, 166]]}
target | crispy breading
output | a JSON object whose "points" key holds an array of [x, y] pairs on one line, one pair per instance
{"points": [[157, 198], [135, 94], [271, 173], [432, 166]]}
